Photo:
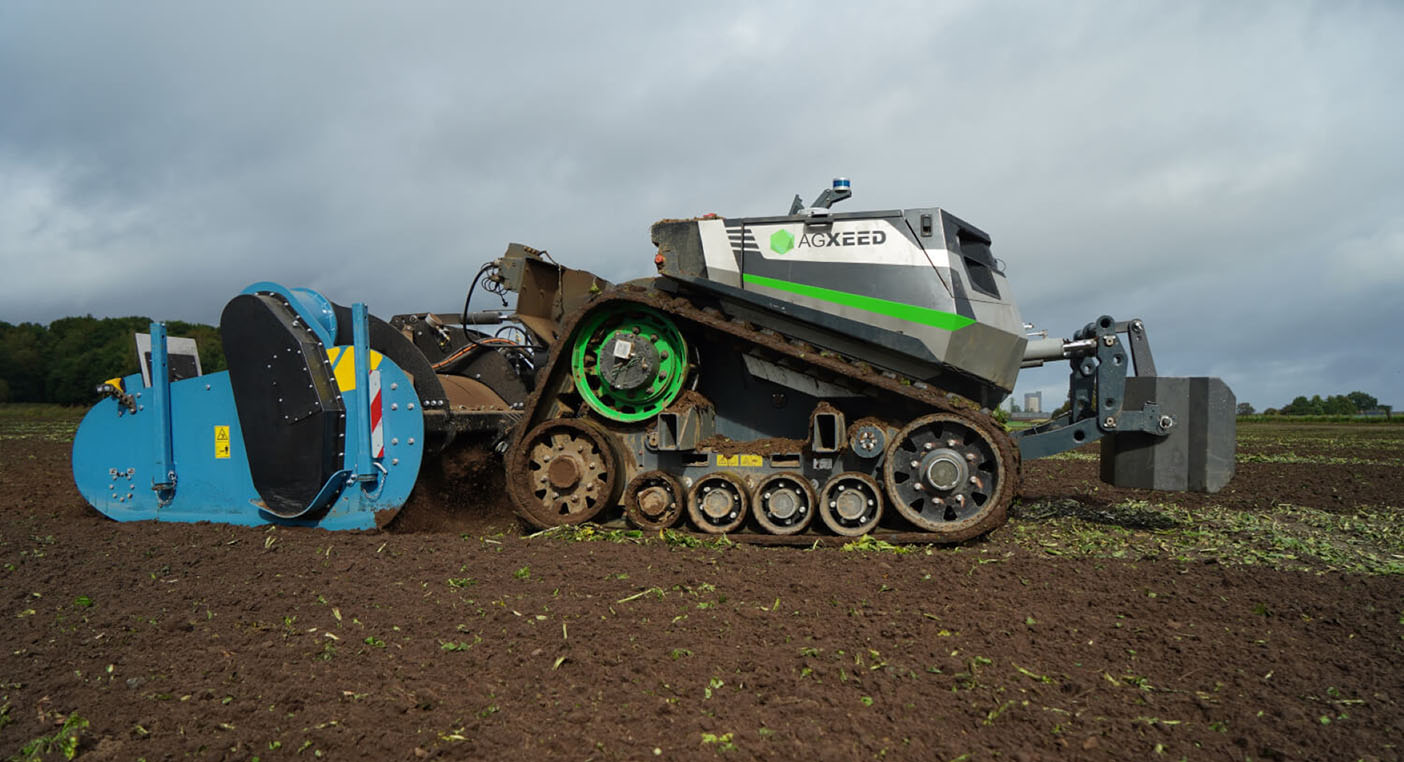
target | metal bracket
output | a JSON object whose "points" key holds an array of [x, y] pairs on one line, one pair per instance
{"points": [[164, 483], [682, 430], [359, 409], [1096, 391], [1141, 359]]}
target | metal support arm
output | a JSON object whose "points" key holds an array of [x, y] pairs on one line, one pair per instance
{"points": [[1097, 385]]}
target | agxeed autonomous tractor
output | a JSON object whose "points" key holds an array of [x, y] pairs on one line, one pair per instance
{"points": [[780, 378]]}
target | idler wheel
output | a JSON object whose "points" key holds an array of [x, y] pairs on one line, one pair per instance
{"points": [[850, 504], [569, 475], [784, 503], [654, 500], [717, 503], [945, 476]]}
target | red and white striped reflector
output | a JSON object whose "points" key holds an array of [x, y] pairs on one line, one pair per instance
{"points": [[377, 421]]}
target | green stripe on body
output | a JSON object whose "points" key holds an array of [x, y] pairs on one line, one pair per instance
{"points": [[909, 312]]}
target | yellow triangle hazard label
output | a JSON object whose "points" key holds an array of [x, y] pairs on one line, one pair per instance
{"points": [[221, 442]]}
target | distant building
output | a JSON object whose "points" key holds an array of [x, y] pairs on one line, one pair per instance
{"points": [[1033, 402]]}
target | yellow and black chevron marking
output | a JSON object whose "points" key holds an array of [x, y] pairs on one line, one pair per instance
{"points": [[343, 362]]}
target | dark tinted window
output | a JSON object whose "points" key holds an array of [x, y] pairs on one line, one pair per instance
{"points": [[979, 264]]}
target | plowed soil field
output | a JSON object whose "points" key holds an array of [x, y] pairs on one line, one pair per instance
{"points": [[1265, 622]]}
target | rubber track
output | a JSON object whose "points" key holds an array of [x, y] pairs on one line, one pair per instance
{"points": [[539, 405]]}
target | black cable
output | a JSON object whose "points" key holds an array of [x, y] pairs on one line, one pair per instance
{"points": [[463, 320]]}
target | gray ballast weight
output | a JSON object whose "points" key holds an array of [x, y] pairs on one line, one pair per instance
{"points": [[1198, 453]]}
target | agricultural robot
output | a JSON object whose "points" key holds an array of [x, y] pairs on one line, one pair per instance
{"points": [[779, 379]]}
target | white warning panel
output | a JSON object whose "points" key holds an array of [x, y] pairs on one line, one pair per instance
{"points": [[377, 421]]}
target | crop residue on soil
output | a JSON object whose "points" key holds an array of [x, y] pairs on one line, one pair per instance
{"points": [[1265, 622]]}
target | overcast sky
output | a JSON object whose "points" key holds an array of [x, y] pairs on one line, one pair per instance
{"points": [[1233, 173]]}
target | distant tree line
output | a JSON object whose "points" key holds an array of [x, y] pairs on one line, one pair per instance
{"points": [[64, 361], [1354, 403]]}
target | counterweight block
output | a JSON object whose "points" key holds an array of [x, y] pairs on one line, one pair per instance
{"points": [[1198, 453]]}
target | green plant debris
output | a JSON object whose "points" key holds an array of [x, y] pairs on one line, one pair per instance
{"points": [[870, 544], [450, 645], [1084, 456], [594, 533], [654, 591], [713, 684], [1368, 540], [1315, 460], [589, 533], [679, 539], [722, 742], [64, 741], [997, 711], [1033, 675]]}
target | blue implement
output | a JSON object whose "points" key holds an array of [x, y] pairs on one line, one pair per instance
{"points": [[177, 451]]}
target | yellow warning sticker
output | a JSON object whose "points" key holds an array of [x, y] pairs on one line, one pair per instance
{"points": [[742, 461], [221, 441]]}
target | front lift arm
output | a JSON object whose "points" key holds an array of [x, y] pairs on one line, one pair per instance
{"points": [[1097, 387]]}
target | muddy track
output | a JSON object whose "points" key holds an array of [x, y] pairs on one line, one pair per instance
{"points": [[696, 315]]}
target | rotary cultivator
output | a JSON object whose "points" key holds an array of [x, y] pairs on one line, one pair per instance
{"points": [[780, 378]]}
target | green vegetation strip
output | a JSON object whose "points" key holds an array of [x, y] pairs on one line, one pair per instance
{"points": [[596, 533], [53, 423], [1395, 419], [1252, 457], [1319, 460], [1369, 540]]}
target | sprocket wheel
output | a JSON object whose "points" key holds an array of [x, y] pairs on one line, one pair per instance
{"points": [[947, 477], [654, 500], [569, 474], [628, 363]]}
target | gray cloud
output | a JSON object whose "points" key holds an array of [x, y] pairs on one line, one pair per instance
{"points": [[1229, 173]]}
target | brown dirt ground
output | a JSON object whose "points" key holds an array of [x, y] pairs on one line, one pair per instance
{"points": [[455, 637]]}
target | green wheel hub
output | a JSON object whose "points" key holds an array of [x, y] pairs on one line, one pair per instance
{"points": [[628, 363]]}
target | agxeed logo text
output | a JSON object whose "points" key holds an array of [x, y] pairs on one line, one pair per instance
{"points": [[782, 241]]}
